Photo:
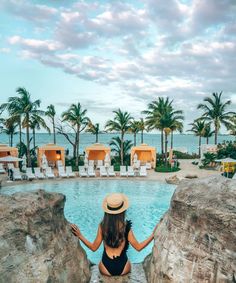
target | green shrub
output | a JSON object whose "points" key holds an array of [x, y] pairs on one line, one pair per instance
{"points": [[166, 169], [183, 155], [116, 167]]}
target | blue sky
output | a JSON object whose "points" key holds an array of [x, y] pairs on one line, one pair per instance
{"points": [[118, 54]]}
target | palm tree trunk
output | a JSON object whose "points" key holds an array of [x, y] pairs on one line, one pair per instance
{"points": [[172, 138], [166, 141], [34, 137], [207, 140], [199, 149], [216, 134], [77, 148], [28, 142], [54, 132], [162, 144], [96, 137], [20, 132], [142, 136], [134, 139], [122, 149]]}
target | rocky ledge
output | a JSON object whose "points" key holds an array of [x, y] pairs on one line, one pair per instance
{"points": [[196, 239], [36, 244]]}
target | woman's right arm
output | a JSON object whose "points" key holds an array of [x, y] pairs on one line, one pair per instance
{"points": [[137, 245]]}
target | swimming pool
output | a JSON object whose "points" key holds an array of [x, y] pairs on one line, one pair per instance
{"points": [[149, 200]]}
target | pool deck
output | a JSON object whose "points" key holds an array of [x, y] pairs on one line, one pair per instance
{"points": [[187, 168]]}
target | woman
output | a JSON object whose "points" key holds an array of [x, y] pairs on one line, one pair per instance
{"points": [[116, 234]]}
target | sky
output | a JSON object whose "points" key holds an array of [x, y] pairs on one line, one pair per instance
{"points": [[118, 54]]}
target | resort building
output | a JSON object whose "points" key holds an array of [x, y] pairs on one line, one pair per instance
{"points": [[54, 153], [6, 150], [97, 151], [145, 153]]}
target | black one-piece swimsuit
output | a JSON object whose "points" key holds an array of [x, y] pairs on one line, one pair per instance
{"points": [[116, 265]]}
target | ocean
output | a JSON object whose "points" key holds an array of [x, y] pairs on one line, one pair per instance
{"points": [[183, 142]]}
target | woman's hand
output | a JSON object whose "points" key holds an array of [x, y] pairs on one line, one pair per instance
{"points": [[75, 230]]}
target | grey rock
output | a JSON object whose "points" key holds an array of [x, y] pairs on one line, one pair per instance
{"points": [[36, 243], [196, 239]]}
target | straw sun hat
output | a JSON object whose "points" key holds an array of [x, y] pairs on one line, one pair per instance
{"points": [[115, 203]]}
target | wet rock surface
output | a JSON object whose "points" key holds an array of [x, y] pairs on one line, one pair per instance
{"points": [[196, 239], [36, 244], [137, 275]]}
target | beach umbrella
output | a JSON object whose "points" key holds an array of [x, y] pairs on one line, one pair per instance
{"points": [[44, 162], [86, 160], [23, 163], [10, 158], [107, 160]]}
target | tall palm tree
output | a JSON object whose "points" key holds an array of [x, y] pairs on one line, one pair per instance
{"points": [[208, 133], [94, 129], [36, 123], [142, 128], [9, 128], [215, 112], [121, 123], [76, 117], [28, 108], [51, 113], [116, 147], [198, 128], [134, 129]]}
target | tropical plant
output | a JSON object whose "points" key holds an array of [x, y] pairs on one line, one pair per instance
{"points": [[93, 129], [76, 120], [51, 113], [215, 112], [9, 128], [142, 128], [116, 148], [121, 123], [134, 129], [207, 133], [226, 149], [198, 128], [176, 126], [36, 123], [232, 126], [209, 159]]}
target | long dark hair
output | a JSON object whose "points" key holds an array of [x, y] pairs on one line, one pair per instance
{"points": [[113, 229]]}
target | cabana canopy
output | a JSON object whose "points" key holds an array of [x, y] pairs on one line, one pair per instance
{"points": [[53, 154], [6, 150], [97, 151], [145, 154]]}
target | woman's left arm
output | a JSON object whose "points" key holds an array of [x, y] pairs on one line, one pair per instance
{"points": [[92, 246]]}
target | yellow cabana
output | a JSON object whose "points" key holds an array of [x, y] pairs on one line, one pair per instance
{"points": [[97, 151], [53, 154], [6, 150], [145, 154]]}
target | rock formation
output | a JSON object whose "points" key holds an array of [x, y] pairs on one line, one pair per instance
{"points": [[196, 239], [36, 244]]}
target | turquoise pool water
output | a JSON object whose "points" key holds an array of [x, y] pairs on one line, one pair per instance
{"points": [[149, 200]]}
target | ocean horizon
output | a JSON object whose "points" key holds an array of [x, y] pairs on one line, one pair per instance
{"points": [[182, 142]]}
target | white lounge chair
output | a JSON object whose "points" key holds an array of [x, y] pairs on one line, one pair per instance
{"points": [[59, 163], [143, 171], [91, 172], [123, 172], [29, 174], [111, 172], [99, 164], [16, 174], [49, 173], [130, 172], [91, 163], [38, 174], [69, 171], [103, 171], [82, 172], [148, 165], [10, 166], [61, 172], [2, 170]]}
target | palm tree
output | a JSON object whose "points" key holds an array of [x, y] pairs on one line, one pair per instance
{"points": [[121, 123], [208, 133], [215, 111], [116, 147], [198, 128], [78, 120], [9, 127], [142, 128], [94, 129], [134, 129], [51, 113], [27, 108], [36, 123], [232, 126], [176, 126]]}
